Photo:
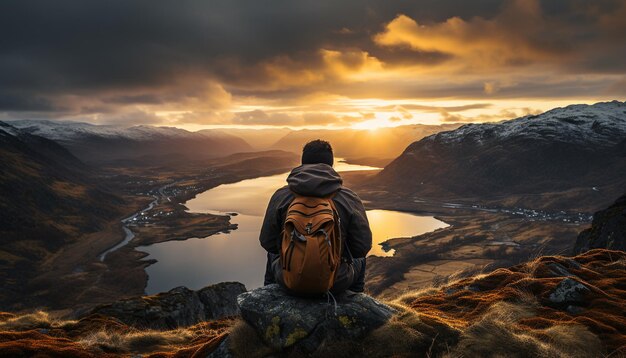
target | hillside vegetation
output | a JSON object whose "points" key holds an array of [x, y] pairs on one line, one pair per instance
{"points": [[553, 306]]}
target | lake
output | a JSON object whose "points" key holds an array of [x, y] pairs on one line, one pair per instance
{"points": [[237, 256]]}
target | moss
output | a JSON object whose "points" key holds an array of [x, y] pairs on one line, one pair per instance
{"points": [[295, 336], [273, 330], [346, 321]]}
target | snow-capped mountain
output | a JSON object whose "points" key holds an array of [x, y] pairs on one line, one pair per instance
{"points": [[579, 146], [599, 124], [64, 130], [97, 143], [7, 130]]}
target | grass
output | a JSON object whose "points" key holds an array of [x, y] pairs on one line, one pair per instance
{"points": [[34, 320], [137, 341], [40, 333], [504, 313]]}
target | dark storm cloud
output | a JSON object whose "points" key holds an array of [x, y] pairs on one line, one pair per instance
{"points": [[17, 102], [55, 54], [49, 45]]}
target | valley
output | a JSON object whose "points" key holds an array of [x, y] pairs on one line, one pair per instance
{"points": [[97, 267], [485, 227]]}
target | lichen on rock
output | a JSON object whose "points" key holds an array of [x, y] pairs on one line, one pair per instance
{"points": [[569, 292]]}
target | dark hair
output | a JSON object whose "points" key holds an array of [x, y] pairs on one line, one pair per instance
{"points": [[317, 151]]}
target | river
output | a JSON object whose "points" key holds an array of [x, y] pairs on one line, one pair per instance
{"points": [[237, 256]]}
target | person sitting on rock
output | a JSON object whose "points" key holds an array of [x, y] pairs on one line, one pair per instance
{"points": [[313, 189]]}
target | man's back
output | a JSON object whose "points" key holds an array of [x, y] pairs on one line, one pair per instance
{"points": [[319, 180]]}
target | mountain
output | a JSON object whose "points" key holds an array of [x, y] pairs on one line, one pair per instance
{"points": [[579, 147], [103, 143], [47, 197], [259, 139], [362, 143]]}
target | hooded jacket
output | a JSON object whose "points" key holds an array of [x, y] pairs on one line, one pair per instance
{"points": [[318, 180]]}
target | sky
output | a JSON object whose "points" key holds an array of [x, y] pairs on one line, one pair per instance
{"points": [[306, 63]]}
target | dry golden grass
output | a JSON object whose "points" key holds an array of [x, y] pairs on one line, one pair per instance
{"points": [[96, 336], [508, 313], [34, 320]]}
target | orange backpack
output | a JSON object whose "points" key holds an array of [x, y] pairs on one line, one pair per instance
{"points": [[311, 245]]}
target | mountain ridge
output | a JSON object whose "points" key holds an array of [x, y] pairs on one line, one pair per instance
{"points": [[107, 143], [360, 143], [48, 198], [577, 147]]}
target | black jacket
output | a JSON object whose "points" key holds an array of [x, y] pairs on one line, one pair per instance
{"points": [[318, 180]]}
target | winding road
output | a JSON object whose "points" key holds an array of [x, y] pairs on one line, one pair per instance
{"points": [[129, 235]]}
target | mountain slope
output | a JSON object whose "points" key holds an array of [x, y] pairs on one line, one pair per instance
{"points": [[579, 146], [47, 197], [101, 143]]}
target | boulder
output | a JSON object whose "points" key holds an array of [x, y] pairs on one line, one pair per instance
{"points": [[284, 321], [607, 231], [177, 307], [221, 351], [569, 292]]}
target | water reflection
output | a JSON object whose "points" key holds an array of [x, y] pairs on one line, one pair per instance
{"points": [[388, 224], [237, 256]]}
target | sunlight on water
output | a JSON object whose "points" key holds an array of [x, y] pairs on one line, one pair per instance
{"points": [[237, 256], [388, 224]]}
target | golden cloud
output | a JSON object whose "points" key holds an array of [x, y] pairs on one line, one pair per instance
{"points": [[511, 38]]}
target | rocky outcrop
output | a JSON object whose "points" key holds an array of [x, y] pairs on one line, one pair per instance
{"points": [[177, 307], [607, 231], [284, 321]]}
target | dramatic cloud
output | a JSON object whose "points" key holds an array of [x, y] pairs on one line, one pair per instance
{"points": [[305, 63], [580, 37]]}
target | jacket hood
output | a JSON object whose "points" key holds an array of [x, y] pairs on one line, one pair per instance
{"points": [[314, 180]]}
